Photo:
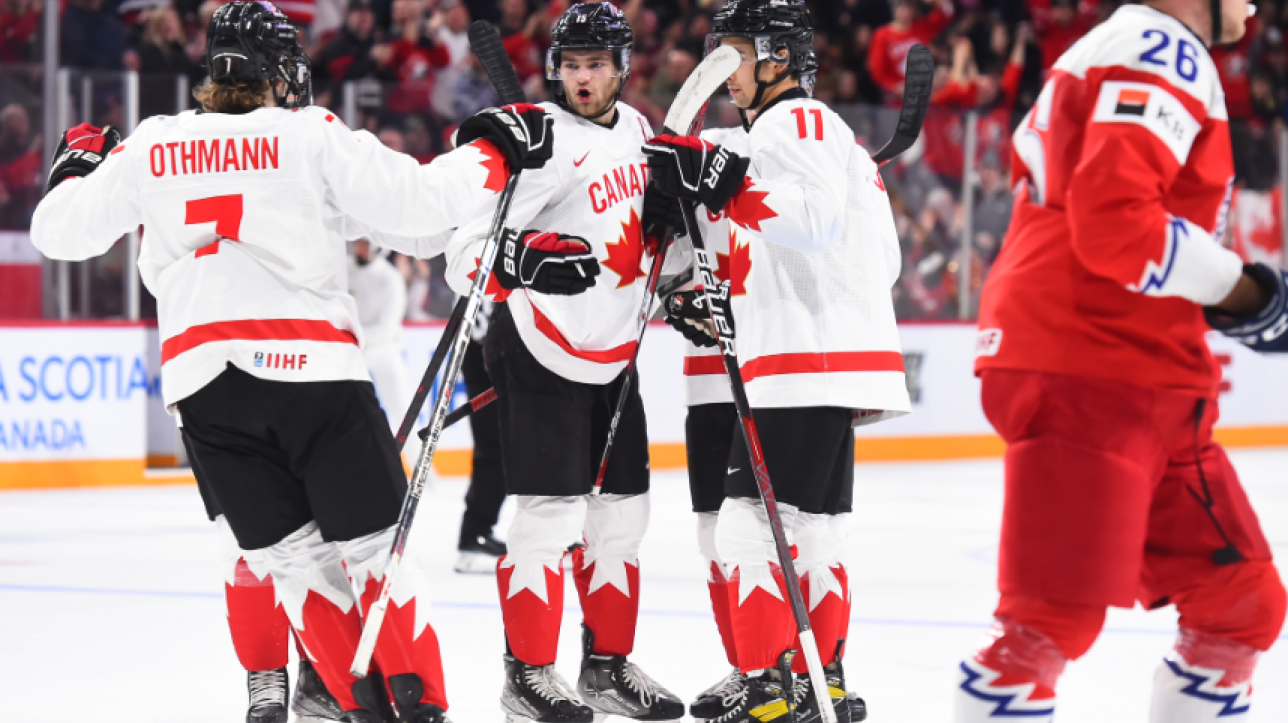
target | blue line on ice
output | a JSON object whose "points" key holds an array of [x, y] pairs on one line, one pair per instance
{"points": [[493, 606]]}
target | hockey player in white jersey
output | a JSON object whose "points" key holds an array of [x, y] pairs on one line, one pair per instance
{"points": [[244, 204], [380, 294], [557, 361], [811, 256]]}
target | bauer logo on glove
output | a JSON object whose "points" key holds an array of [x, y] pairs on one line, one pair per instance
{"points": [[546, 262], [689, 167]]}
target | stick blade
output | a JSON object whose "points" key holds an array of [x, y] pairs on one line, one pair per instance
{"points": [[710, 74], [485, 41], [918, 77]]}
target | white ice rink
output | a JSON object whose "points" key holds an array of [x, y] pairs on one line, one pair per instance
{"points": [[113, 607]]}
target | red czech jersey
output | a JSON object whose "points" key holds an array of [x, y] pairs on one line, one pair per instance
{"points": [[1124, 173]]}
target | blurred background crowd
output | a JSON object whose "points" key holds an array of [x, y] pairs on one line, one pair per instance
{"points": [[403, 70]]}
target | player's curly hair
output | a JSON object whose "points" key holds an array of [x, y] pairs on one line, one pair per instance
{"points": [[231, 96]]}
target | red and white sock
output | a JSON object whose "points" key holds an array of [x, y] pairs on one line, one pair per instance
{"points": [[824, 582], [316, 593], [607, 571], [258, 623], [761, 619], [407, 642], [1013, 675], [1205, 678], [530, 577], [717, 584]]}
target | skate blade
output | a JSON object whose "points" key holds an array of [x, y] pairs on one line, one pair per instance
{"points": [[475, 563]]}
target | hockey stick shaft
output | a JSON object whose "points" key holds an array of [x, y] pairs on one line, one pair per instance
{"points": [[485, 40], [809, 646], [650, 287], [431, 371]]}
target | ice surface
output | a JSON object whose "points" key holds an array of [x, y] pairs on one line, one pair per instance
{"points": [[113, 609]]}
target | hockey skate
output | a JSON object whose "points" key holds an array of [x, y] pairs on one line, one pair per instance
{"points": [[312, 703], [267, 696], [478, 554], [762, 698], [721, 697], [538, 694], [807, 706], [614, 686]]}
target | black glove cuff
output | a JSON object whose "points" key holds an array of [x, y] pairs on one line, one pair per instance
{"points": [[487, 127], [730, 182]]}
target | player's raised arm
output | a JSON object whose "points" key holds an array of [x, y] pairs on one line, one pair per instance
{"points": [[391, 193], [1146, 118], [93, 196]]}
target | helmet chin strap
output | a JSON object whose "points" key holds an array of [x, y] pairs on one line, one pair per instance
{"points": [[761, 87]]}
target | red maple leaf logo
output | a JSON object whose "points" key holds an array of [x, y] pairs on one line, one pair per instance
{"points": [[734, 267], [747, 207], [494, 161], [494, 289], [625, 255]]}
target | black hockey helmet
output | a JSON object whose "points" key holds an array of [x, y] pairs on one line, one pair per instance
{"points": [[590, 26], [782, 32], [256, 41]]}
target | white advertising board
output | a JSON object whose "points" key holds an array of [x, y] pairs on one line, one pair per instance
{"points": [[72, 392]]}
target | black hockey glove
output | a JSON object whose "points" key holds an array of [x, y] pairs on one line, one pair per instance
{"points": [[522, 131], [689, 167], [661, 212], [1265, 330], [80, 151], [687, 312], [546, 262]]}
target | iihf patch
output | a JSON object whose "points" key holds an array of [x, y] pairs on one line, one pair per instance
{"points": [[1131, 101]]}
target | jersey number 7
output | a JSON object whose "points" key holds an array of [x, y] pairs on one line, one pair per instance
{"points": [[224, 211]]}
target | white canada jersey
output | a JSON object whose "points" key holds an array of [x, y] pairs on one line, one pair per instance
{"points": [[245, 218], [380, 294], [592, 188], [809, 248]]}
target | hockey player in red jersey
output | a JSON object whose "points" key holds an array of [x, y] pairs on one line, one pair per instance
{"points": [[556, 353], [246, 204], [1095, 372], [798, 218]]}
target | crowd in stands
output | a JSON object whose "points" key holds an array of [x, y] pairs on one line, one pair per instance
{"points": [[407, 64]]}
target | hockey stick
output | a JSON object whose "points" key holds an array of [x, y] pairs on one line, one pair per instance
{"points": [[809, 646], [685, 115], [919, 75], [431, 371], [486, 43]]}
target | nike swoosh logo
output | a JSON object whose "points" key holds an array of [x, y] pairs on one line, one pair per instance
{"points": [[733, 469], [583, 160]]}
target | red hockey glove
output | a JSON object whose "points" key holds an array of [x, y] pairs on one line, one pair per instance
{"points": [[522, 131], [80, 151], [546, 262], [689, 167]]}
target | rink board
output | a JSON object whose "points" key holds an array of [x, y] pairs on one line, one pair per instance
{"points": [[80, 404]]}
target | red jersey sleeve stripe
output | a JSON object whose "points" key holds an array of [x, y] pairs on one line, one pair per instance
{"points": [[821, 363], [607, 356], [254, 330]]}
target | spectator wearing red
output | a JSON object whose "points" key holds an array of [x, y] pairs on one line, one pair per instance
{"points": [[19, 29], [518, 33], [991, 96], [21, 181], [351, 54], [1232, 65], [891, 43], [1059, 24], [414, 55]]}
